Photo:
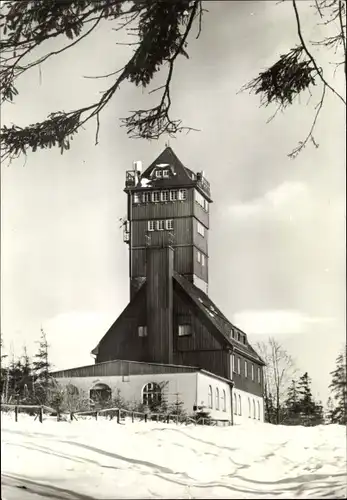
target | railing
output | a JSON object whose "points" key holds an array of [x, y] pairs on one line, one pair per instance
{"points": [[116, 412], [204, 184]]}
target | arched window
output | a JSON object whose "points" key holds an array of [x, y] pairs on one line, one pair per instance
{"points": [[249, 408], [254, 416], [210, 397], [240, 406], [100, 393], [151, 394], [235, 404], [217, 398], [258, 410], [224, 403]]}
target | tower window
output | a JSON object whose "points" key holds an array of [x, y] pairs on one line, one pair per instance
{"points": [[259, 376], [246, 369], [165, 196], [156, 196], [142, 331], [238, 366], [234, 363], [198, 256], [201, 229], [182, 194], [165, 173], [160, 225], [252, 371], [173, 195], [184, 330], [151, 225], [202, 259], [137, 198], [146, 197], [169, 224]]}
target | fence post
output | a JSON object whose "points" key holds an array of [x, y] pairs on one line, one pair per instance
{"points": [[16, 413], [96, 415], [177, 419], [145, 417], [168, 419], [118, 416], [71, 416], [132, 417], [41, 414]]}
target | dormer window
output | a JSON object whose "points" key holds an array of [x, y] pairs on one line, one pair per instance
{"points": [[166, 173]]}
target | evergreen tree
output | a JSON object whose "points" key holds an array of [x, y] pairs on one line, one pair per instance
{"points": [[292, 405], [311, 413], [329, 410], [41, 368], [3, 371], [338, 387]]}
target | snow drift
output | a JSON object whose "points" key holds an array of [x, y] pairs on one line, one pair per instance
{"points": [[101, 459]]}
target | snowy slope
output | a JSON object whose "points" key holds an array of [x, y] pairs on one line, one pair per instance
{"points": [[100, 459]]}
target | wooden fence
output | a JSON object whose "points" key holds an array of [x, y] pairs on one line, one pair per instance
{"points": [[119, 413]]}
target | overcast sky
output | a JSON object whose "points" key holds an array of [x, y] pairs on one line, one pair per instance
{"points": [[277, 239]]}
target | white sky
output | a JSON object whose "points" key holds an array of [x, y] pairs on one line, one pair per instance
{"points": [[277, 239]]}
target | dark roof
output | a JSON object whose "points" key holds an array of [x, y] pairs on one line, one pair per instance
{"points": [[216, 317], [169, 157]]}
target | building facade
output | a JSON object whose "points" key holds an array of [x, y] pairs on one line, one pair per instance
{"points": [[170, 319]]}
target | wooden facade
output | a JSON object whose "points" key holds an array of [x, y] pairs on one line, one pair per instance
{"points": [[169, 319]]}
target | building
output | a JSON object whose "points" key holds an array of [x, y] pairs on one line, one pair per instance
{"points": [[171, 332]]}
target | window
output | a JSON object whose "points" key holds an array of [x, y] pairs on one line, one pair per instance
{"points": [[252, 371], [249, 408], [137, 198], [210, 402], [223, 401], [142, 331], [151, 394], [232, 333], [160, 225], [184, 330], [238, 366], [182, 194], [159, 174], [169, 224], [217, 398], [206, 205], [240, 407], [156, 196], [151, 225], [165, 173], [201, 200], [165, 195], [254, 409], [235, 404], [100, 393], [246, 369], [239, 336], [146, 197], [202, 259], [259, 379], [173, 195], [201, 229], [234, 363], [258, 410], [198, 256]]}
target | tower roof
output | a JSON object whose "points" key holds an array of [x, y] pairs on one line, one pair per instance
{"points": [[180, 175]]}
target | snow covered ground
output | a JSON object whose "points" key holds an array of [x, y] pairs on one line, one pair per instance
{"points": [[101, 459]]}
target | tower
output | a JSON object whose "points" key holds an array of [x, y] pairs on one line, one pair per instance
{"points": [[168, 206]]}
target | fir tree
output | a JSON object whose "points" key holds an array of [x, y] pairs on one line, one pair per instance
{"points": [[41, 368], [338, 387], [311, 413], [292, 405]]}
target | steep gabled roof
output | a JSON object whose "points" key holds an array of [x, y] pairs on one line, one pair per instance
{"points": [[215, 317]]}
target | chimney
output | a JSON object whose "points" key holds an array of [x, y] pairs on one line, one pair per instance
{"points": [[159, 293]]}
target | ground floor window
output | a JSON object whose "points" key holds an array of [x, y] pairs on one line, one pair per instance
{"points": [[100, 393], [151, 394]]}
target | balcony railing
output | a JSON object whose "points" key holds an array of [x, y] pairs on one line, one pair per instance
{"points": [[203, 184]]}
